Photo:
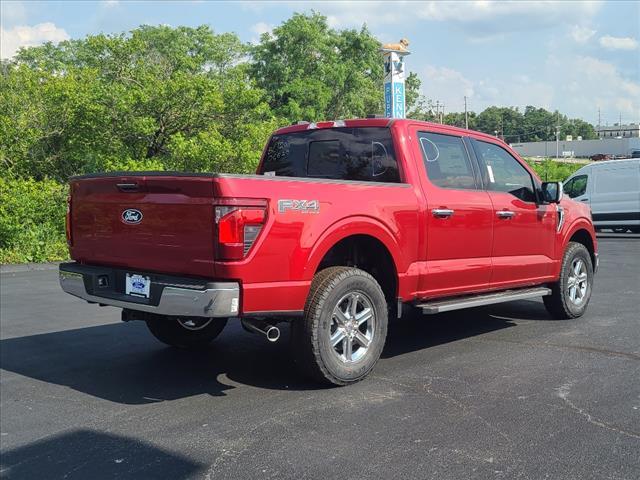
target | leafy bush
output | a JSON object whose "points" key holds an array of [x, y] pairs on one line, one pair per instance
{"points": [[553, 170], [32, 216]]}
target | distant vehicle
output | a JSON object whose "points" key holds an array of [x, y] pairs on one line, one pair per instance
{"points": [[612, 189], [600, 156], [635, 154]]}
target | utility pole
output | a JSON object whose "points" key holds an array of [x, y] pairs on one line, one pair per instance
{"points": [[620, 121], [558, 136], [438, 109], [442, 115], [466, 116]]}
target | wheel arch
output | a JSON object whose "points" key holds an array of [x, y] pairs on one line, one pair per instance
{"points": [[581, 233], [365, 238]]}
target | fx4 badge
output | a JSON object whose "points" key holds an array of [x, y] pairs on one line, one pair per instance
{"points": [[302, 206]]}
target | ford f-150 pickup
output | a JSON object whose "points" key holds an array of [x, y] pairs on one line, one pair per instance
{"points": [[343, 224]]}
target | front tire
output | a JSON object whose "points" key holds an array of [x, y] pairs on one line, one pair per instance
{"points": [[344, 328], [571, 293], [185, 332]]}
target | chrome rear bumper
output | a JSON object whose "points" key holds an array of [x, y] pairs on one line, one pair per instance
{"points": [[176, 298]]}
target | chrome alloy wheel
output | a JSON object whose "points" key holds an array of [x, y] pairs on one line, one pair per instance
{"points": [[353, 324], [194, 323], [577, 282]]}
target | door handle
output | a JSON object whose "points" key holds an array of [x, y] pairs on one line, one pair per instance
{"points": [[127, 187], [442, 212], [505, 214], [584, 199]]}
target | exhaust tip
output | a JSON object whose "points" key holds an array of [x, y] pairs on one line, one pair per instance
{"points": [[261, 326], [273, 334]]}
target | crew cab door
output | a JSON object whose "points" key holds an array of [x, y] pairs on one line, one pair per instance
{"points": [[458, 218], [523, 230]]}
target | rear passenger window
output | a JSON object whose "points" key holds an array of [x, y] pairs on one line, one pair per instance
{"points": [[446, 161], [502, 172]]}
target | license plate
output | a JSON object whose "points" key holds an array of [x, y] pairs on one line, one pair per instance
{"points": [[137, 285]]}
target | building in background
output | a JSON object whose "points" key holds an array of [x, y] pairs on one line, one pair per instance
{"points": [[632, 130], [613, 147]]}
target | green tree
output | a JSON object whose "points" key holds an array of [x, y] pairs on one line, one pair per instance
{"points": [[136, 101], [313, 72]]}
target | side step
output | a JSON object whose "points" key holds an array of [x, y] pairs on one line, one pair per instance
{"points": [[458, 303]]}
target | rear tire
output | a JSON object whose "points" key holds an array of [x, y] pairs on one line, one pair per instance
{"points": [[571, 293], [343, 331], [185, 332]]}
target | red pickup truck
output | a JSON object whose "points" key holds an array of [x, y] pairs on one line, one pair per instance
{"points": [[343, 223]]}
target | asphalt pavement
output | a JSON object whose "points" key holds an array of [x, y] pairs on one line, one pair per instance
{"points": [[494, 392]]}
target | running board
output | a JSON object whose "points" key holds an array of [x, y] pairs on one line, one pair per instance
{"points": [[458, 303]]}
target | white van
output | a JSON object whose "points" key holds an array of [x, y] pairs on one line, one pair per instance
{"points": [[612, 189]]}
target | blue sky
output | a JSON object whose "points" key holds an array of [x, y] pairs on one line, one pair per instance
{"points": [[574, 56]]}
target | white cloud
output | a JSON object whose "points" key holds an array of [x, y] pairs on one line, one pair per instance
{"points": [[261, 27], [478, 18], [447, 86], [581, 34], [111, 3], [494, 10], [584, 84], [589, 83], [618, 43], [450, 86], [28, 36]]}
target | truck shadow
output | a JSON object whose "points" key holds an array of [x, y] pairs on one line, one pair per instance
{"points": [[90, 454], [415, 331], [122, 363]]}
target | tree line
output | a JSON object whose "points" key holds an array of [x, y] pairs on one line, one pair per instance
{"points": [[191, 99], [512, 125]]}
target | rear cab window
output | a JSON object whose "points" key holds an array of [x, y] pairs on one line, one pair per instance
{"points": [[361, 154]]}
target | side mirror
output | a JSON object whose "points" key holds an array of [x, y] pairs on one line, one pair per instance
{"points": [[551, 192]]}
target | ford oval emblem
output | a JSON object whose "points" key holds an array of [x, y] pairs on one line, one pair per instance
{"points": [[132, 216]]}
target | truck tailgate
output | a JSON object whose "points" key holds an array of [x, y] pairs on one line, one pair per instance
{"points": [[161, 222]]}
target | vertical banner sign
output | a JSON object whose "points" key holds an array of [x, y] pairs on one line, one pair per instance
{"points": [[394, 104]]}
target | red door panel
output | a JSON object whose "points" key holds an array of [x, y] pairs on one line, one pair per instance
{"points": [[458, 219], [523, 230], [523, 243]]}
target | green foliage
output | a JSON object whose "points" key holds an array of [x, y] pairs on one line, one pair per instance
{"points": [[32, 216], [535, 124], [188, 99], [313, 72], [552, 170], [88, 104]]}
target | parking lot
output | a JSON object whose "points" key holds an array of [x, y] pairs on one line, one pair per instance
{"points": [[494, 392]]}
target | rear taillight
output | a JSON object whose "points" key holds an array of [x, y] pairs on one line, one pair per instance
{"points": [[67, 223], [237, 228]]}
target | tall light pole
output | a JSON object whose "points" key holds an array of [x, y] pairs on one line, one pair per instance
{"points": [[466, 116], [558, 136]]}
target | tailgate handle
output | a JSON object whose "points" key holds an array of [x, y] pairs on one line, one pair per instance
{"points": [[127, 187]]}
